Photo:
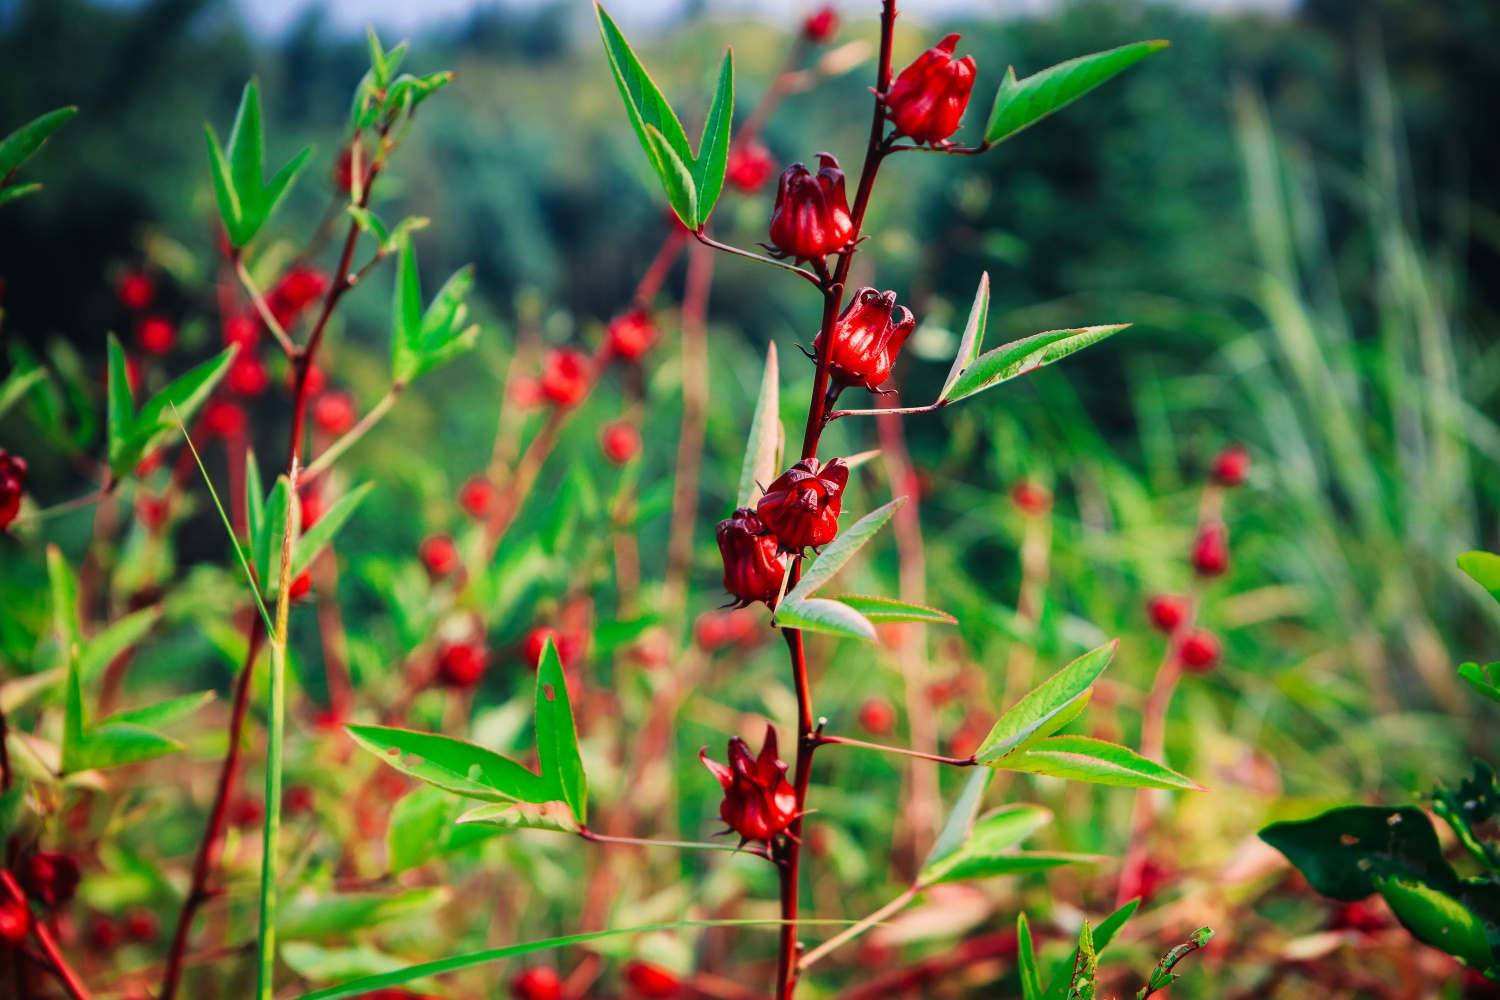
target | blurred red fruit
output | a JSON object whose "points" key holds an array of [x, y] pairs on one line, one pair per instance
{"points": [[877, 717], [461, 664], [439, 555], [1360, 916], [51, 877], [478, 497], [1146, 882], [537, 983], [1199, 651], [241, 329], [652, 981], [1211, 549], [316, 380], [12, 486], [298, 801], [141, 926], [820, 25], [1232, 466], [156, 335], [103, 933], [568, 644], [136, 290], [246, 812], [1166, 611], [310, 503], [750, 166], [1031, 498], [565, 377], [152, 511], [224, 419], [296, 290], [301, 585], [629, 336], [334, 413], [621, 441], [15, 920], [247, 376]]}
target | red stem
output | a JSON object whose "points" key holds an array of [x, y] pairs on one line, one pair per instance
{"points": [[60, 967]]}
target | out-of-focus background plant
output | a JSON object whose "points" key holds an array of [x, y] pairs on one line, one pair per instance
{"points": [[1294, 207]]}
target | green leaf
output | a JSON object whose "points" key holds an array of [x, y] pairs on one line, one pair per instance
{"points": [[454, 765], [120, 408], [15, 192], [555, 816], [1053, 704], [407, 92], [316, 538], [713, 147], [557, 738], [17, 385], [1085, 982], [1439, 920], [887, 609], [162, 712], [115, 745], [1021, 103], [423, 827], [66, 619], [1026, 967], [1484, 569], [676, 178], [181, 398], [819, 614], [759, 466], [1484, 679], [318, 964], [842, 549], [987, 849], [422, 341], [1111, 925], [112, 640], [1083, 758], [245, 200], [266, 543], [978, 866], [1162, 976], [1343, 851], [322, 916], [255, 497], [972, 341], [960, 819], [645, 104], [1021, 357], [22, 144]]}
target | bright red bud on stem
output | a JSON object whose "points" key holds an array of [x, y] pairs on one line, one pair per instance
{"points": [[753, 565], [478, 497], [621, 441], [801, 508], [565, 377], [1211, 550], [461, 664], [629, 336], [821, 24], [156, 335], [439, 555], [12, 485], [927, 101], [1232, 466], [537, 983], [1167, 612], [750, 166], [136, 290], [758, 800], [1031, 498], [811, 218], [15, 920], [866, 339], [334, 413], [1199, 651], [652, 981]]}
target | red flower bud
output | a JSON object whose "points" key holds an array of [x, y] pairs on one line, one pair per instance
{"points": [[1211, 549], [12, 485], [1358, 916], [298, 800], [156, 335], [334, 412], [758, 800], [51, 877], [478, 497], [621, 441], [136, 290], [1031, 498], [1231, 466], [750, 166], [152, 511], [877, 717], [1167, 612], [569, 645], [565, 377], [753, 565], [15, 920], [537, 983], [222, 418], [630, 335], [1145, 882], [298, 288], [461, 664], [866, 339], [103, 933], [801, 507], [439, 555], [820, 25], [316, 380], [246, 376], [343, 170], [927, 101], [652, 981], [246, 812], [1199, 651], [811, 217], [241, 329], [141, 926], [300, 586]]}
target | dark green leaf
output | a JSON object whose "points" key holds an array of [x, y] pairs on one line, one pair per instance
{"points": [[22, 144], [1343, 851], [713, 147], [1021, 103]]}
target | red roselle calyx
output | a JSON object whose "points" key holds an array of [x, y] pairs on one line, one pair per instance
{"points": [[568, 645], [461, 664], [1231, 466], [877, 717], [1166, 612], [801, 508], [439, 555], [136, 290], [477, 497], [820, 25], [652, 981], [565, 377], [537, 983], [1031, 498], [12, 485], [1211, 549], [156, 335], [630, 335], [222, 418], [621, 441], [1199, 651], [811, 218], [51, 877], [247, 376], [15, 920], [334, 412], [758, 800], [750, 166], [866, 339], [300, 586], [299, 288], [753, 564], [927, 100]]}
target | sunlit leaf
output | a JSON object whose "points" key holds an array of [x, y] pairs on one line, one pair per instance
{"points": [[1083, 758], [759, 466], [1053, 704], [1021, 357], [557, 737], [452, 764], [887, 609], [842, 549], [1021, 103], [972, 342]]}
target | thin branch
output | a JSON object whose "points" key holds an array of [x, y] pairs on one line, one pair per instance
{"points": [[331, 454], [682, 845], [709, 241], [983, 147], [262, 308], [895, 411], [846, 741], [65, 507], [853, 931], [43, 933]]}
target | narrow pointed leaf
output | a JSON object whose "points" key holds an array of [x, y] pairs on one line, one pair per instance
{"points": [[759, 466], [247, 146], [1031, 976], [557, 737], [843, 548], [231, 211], [181, 398], [120, 406], [819, 614], [676, 178], [1046, 709], [644, 102], [960, 819], [321, 534], [22, 144], [459, 767], [1484, 678], [162, 712], [1020, 357], [555, 816], [1083, 758], [1484, 569], [997, 831], [17, 385], [115, 744], [1085, 982], [406, 316], [1021, 103], [112, 640], [972, 867], [972, 342], [887, 609], [713, 147], [15, 192]]}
